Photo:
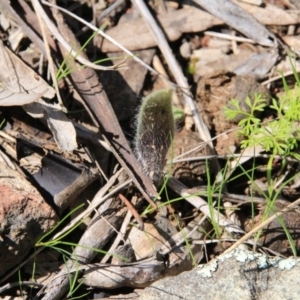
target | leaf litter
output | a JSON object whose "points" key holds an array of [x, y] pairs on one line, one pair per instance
{"points": [[223, 57]]}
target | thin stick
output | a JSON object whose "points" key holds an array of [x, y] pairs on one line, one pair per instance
{"points": [[288, 73], [229, 37], [38, 12], [262, 225], [64, 43], [18, 284], [133, 211], [119, 237], [100, 32]]}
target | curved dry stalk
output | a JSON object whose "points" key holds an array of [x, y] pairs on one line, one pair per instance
{"points": [[104, 35], [64, 43], [38, 12]]}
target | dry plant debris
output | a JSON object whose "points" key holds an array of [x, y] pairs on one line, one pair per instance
{"points": [[84, 214]]}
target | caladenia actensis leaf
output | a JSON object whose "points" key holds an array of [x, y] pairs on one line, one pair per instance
{"points": [[155, 131]]}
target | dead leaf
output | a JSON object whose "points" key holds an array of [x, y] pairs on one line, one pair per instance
{"points": [[17, 77], [8, 98], [22, 86], [258, 64], [174, 24], [239, 19], [271, 14], [61, 127], [293, 42]]}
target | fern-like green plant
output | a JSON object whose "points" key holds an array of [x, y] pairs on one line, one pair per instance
{"points": [[279, 136]]}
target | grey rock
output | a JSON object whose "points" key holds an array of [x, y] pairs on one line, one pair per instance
{"points": [[238, 275]]}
